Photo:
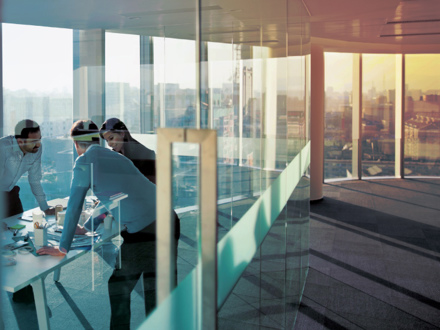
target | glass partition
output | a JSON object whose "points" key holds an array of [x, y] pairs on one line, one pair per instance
{"points": [[237, 75], [422, 115]]}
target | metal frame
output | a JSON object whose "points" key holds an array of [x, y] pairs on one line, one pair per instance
{"points": [[207, 223]]}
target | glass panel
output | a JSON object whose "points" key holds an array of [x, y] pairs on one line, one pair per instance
{"points": [[47, 101], [422, 115], [378, 115], [338, 116], [122, 79]]}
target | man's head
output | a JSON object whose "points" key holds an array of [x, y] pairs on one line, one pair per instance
{"points": [[28, 135], [84, 133]]}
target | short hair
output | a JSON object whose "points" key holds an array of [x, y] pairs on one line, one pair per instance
{"points": [[112, 125], [25, 127], [85, 132]]}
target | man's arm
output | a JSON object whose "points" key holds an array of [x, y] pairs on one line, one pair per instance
{"points": [[34, 178], [78, 190]]}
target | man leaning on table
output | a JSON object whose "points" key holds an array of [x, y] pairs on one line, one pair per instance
{"points": [[113, 173], [20, 154]]}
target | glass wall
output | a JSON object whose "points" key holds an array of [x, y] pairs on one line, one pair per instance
{"points": [[378, 114], [249, 84], [338, 143], [422, 115]]}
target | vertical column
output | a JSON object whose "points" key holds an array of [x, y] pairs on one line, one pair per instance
{"points": [[270, 109], [317, 123], [400, 117], [199, 57], [356, 117], [147, 84], [205, 105], [89, 75]]}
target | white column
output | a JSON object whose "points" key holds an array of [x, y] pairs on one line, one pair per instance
{"points": [[147, 84], [89, 75], [317, 123]]}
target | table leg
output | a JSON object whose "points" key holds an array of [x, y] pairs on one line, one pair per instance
{"points": [[57, 274], [41, 304]]}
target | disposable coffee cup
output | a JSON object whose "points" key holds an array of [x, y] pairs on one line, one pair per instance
{"points": [[40, 236], [60, 218], [38, 216]]}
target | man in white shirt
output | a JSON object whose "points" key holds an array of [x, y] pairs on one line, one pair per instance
{"points": [[20, 154]]}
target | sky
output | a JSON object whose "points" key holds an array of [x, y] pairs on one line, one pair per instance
{"points": [[33, 55], [421, 71]]}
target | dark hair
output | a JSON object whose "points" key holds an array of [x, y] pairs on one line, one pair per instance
{"points": [[85, 132], [114, 125], [25, 127]]}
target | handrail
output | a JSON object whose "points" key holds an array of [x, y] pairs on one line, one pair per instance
{"points": [[235, 251]]}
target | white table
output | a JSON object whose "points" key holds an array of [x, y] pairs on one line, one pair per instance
{"points": [[33, 270]]}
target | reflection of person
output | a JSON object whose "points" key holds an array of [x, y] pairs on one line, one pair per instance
{"points": [[20, 154], [120, 140], [113, 173]]}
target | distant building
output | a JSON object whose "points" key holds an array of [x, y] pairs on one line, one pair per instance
{"points": [[422, 136]]}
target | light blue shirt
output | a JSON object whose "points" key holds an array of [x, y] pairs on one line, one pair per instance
{"points": [[112, 174], [13, 164]]}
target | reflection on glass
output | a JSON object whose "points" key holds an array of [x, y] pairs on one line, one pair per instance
{"points": [[338, 115], [422, 115], [378, 115], [47, 101], [122, 75]]}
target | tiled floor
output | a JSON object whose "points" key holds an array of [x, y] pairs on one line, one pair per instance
{"points": [[374, 257]]}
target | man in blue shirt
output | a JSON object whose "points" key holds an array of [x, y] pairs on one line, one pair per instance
{"points": [[20, 154], [108, 173]]}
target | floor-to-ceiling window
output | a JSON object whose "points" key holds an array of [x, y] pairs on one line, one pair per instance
{"points": [[37, 85], [338, 142], [422, 115], [378, 115]]}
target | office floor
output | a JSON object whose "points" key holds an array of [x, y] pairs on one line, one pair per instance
{"points": [[374, 264], [374, 257]]}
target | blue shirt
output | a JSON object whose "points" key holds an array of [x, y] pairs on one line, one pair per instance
{"points": [[112, 173], [14, 163]]}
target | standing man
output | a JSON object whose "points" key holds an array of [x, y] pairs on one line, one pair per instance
{"points": [[108, 173], [20, 154]]}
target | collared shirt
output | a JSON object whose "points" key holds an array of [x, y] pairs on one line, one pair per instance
{"points": [[109, 173], [13, 164]]}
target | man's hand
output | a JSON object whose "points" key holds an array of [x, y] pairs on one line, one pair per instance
{"points": [[50, 211], [50, 250]]}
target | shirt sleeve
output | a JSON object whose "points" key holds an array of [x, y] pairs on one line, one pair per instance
{"points": [[2, 159], [34, 178], [78, 190]]}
